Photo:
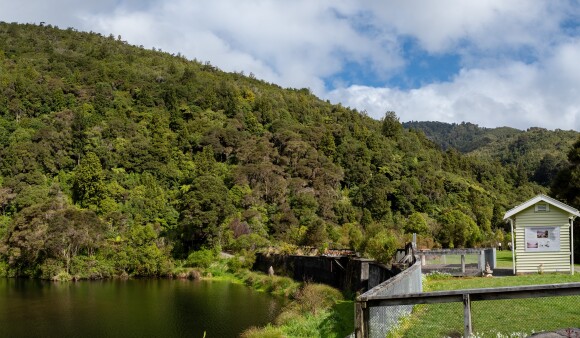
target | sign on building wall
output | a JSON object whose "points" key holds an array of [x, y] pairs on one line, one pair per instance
{"points": [[540, 239]]}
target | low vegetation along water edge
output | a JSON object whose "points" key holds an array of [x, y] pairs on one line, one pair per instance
{"points": [[313, 310]]}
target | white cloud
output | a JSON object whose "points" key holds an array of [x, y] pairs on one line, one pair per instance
{"points": [[294, 44], [518, 66], [440, 26], [516, 95], [61, 13]]}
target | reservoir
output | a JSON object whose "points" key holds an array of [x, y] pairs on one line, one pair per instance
{"points": [[131, 308]]}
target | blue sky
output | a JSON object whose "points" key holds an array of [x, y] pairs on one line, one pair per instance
{"points": [[492, 62]]}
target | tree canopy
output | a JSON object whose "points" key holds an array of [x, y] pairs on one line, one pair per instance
{"points": [[117, 159]]}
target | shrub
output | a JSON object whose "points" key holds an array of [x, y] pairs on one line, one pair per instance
{"points": [[265, 332], [3, 269], [201, 259], [62, 276], [382, 247], [83, 267], [245, 260], [185, 273], [276, 285], [284, 286], [250, 242], [437, 275], [312, 298], [51, 268]]}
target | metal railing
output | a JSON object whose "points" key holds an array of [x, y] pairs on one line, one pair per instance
{"points": [[377, 321], [371, 301], [457, 261]]}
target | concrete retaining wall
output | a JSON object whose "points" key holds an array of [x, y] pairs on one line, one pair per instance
{"points": [[342, 272]]}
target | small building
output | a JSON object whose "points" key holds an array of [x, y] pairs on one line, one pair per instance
{"points": [[542, 235]]}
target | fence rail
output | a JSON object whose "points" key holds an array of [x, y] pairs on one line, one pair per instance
{"points": [[376, 321], [457, 261], [369, 301]]}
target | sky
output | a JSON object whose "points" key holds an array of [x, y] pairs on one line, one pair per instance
{"points": [[490, 62]]}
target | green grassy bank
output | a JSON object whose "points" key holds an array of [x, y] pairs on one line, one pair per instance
{"points": [[313, 310], [502, 318]]}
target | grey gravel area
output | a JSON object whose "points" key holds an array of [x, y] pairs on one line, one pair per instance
{"points": [[568, 333]]}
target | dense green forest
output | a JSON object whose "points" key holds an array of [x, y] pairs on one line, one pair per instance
{"points": [[117, 160], [536, 154]]}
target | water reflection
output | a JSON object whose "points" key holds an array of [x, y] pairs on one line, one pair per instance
{"points": [[134, 308]]}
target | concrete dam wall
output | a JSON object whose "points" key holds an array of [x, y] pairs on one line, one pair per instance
{"points": [[347, 273]]}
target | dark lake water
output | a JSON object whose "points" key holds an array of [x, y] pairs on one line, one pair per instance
{"points": [[133, 308]]}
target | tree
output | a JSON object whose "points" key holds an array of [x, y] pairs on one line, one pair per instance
{"points": [[137, 252], [89, 187], [24, 243], [458, 230], [382, 247], [416, 223], [316, 234], [375, 196], [351, 236], [51, 230], [203, 210], [79, 126], [6, 196], [71, 232], [548, 169], [391, 126], [566, 186]]}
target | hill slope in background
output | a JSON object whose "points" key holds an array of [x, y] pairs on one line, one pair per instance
{"points": [[536, 154], [115, 159]]}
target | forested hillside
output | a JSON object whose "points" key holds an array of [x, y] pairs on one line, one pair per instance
{"points": [[536, 154], [115, 160]]}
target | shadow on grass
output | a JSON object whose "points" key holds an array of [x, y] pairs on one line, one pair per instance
{"points": [[503, 259], [341, 322]]}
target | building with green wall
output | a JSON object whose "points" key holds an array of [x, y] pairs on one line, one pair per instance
{"points": [[542, 236]]}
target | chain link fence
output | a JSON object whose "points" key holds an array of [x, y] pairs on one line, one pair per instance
{"points": [[458, 262], [492, 318], [499, 312], [383, 319]]}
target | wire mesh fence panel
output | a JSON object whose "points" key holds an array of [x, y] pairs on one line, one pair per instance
{"points": [[432, 321], [451, 259], [384, 319], [464, 264], [521, 317], [493, 318]]}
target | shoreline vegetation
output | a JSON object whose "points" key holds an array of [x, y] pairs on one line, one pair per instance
{"points": [[312, 310], [116, 160], [122, 162]]}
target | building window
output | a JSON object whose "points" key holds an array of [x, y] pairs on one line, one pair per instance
{"points": [[542, 208]]}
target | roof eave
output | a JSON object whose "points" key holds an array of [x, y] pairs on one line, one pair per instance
{"points": [[541, 197]]}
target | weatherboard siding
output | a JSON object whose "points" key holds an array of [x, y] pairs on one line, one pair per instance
{"points": [[557, 261]]}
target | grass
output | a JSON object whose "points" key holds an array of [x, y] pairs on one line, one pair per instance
{"points": [[275, 285], [317, 311], [502, 318], [313, 310], [503, 259]]}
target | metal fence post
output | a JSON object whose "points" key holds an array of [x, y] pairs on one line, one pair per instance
{"points": [[481, 261], [467, 316], [361, 320]]}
